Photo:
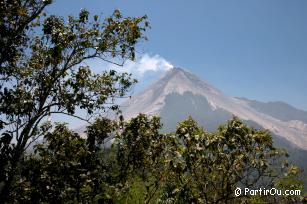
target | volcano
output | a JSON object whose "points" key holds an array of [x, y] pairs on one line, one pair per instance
{"points": [[179, 94]]}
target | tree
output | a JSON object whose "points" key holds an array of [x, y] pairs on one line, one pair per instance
{"points": [[66, 168], [140, 147], [16, 18], [44, 73], [206, 167], [195, 166]]}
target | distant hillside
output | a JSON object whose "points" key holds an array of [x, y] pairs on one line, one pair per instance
{"points": [[279, 110]]}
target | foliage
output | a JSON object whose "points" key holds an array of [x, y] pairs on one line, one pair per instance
{"points": [[16, 19], [64, 169], [207, 167], [140, 150], [195, 166], [145, 166], [43, 71]]}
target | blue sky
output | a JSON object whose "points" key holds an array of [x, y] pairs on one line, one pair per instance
{"points": [[246, 48]]}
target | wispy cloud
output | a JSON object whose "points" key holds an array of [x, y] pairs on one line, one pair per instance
{"points": [[143, 64]]}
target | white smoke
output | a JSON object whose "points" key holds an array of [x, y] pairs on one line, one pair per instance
{"points": [[144, 64]]}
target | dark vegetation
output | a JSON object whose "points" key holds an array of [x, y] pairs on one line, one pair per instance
{"points": [[42, 73]]}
